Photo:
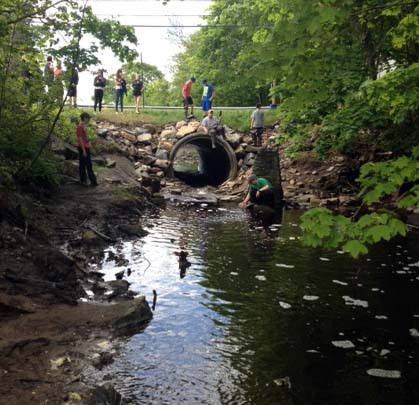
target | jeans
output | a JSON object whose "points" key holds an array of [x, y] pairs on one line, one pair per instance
{"points": [[119, 98], [266, 197], [257, 136], [85, 167], [98, 99]]}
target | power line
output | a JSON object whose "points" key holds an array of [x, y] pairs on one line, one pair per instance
{"points": [[151, 15]]}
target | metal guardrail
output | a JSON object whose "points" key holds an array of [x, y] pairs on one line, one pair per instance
{"points": [[169, 108]]}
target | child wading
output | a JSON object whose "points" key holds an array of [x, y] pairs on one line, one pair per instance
{"points": [[83, 145]]}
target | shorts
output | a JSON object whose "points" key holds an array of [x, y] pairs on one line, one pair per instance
{"points": [[136, 93], [72, 92], [206, 105], [187, 100]]}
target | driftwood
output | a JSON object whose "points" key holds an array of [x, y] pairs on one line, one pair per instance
{"points": [[100, 234]]}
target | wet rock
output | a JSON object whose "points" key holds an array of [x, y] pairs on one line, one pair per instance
{"points": [[148, 159], [99, 360], [118, 287], [252, 149], [106, 395], [91, 238], [249, 159], [133, 315], [133, 230], [145, 138], [120, 275]]}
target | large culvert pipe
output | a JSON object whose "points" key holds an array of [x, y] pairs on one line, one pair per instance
{"points": [[218, 164]]}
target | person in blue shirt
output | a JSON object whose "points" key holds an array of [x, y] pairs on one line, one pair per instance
{"points": [[208, 94]]}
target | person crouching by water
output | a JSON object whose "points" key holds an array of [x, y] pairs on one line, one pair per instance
{"points": [[83, 146], [260, 192], [213, 127]]}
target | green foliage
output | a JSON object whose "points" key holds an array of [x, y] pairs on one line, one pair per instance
{"points": [[28, 31], [397, 178], [322, 227]]}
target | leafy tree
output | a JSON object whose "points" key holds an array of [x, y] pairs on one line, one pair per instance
{"points": [[28, 31]]}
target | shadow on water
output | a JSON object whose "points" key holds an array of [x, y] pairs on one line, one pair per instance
{"points": [[247, 315]]}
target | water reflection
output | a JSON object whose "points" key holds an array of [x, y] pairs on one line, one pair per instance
{"points": [[256, 308]]}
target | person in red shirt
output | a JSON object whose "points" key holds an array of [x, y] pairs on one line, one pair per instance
{"points": [[83, 145], [186, 95]]}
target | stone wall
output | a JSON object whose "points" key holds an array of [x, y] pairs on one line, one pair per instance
{"points": [[267, 165]]}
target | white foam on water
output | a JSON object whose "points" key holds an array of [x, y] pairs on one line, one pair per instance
{"points": [[324, 259], [312, 351], [339, 282], [285, 266], [375, 289], [261, 278], [414, 333], [343, 344], [310, 297], [381, 373], [234, 273], [384, 352], [291, 238], [414, 264], [284, 305], [381, 317], [353, 302]]}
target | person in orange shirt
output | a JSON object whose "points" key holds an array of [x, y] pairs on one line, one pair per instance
{"points": [[186, 95], [83, 146]]}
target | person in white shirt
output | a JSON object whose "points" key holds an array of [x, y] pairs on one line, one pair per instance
{"points": [[213, 127]]}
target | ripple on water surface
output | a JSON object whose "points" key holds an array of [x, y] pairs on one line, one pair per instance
{"points": [[256, 307]]}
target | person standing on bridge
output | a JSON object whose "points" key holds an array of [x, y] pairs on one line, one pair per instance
{"points": [[186, 96], [208, 94], [259, 192]]}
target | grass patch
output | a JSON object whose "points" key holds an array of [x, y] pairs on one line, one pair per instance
{"points": [[237, 120]]}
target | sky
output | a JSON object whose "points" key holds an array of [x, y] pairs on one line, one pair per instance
{"points": [[155, 46]]}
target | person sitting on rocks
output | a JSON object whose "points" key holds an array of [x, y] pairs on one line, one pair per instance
{"points": [[259, 192], [213, 127]]}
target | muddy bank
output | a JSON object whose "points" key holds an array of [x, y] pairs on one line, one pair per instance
{"points": [[48, 335]]}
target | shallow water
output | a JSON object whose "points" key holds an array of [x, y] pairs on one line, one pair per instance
{"points": [[256, 306]]}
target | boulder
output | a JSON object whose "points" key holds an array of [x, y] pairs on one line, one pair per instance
{"points": [[234, 139], [140, 131], [145, 138], [71, 168], [91, 238], [168, 134], [70, 152], [240, 152], [162, 154], [180, 124], [252, 149], [162, 164], [110, 163], [249, 159], [128, 137], [99, 160], [166, 145], [151, 129], [187, 129], [102, 132]]}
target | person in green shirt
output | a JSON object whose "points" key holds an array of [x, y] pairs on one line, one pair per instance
{"points": [[259, 192]]}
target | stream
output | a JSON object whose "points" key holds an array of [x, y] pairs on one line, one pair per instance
{"points": [[257, 318]]}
